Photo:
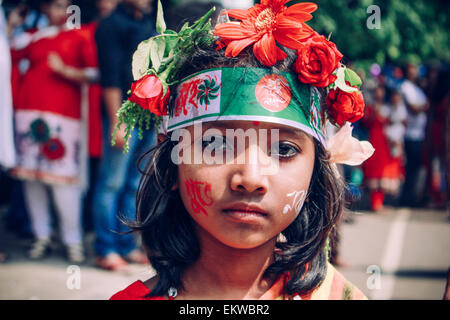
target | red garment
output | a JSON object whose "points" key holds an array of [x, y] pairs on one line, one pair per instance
{"points": [[381, 165], [333, 287], [47, 110], [95, 99], [42, 89]]}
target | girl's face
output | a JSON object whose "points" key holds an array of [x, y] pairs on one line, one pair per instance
{"points": [[241, 203], [56, 11]]}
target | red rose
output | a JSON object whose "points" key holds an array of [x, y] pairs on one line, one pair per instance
{"points": [[316, 61], [148, 93], [345, 106]]}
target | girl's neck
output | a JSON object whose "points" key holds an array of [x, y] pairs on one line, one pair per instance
{"points": [[223, 272]]}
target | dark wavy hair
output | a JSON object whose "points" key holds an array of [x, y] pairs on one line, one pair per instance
{"points": [[168, 231]]}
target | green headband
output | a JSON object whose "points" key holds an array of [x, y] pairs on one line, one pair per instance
{"points": [[252, 94]]}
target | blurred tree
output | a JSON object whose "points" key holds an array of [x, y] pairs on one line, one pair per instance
{"points": [[413, 31]]}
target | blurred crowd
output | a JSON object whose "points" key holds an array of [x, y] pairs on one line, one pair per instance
{"points": [[405, 120], [62, 86]]}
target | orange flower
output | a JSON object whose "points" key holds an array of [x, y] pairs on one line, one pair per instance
{"points": [[262, 25]]}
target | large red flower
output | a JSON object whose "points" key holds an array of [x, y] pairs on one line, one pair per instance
{"points": [[316, 61], [345, 106], [263, 25], [148, 93]]}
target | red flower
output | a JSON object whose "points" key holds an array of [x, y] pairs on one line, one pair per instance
{"points": [[262, 25], [317, 60], [53, 149], [345, 106], [148, 93]]}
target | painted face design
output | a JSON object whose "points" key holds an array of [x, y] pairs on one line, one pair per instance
{"points": [[297, 201], [199, 194], [238, 203]]}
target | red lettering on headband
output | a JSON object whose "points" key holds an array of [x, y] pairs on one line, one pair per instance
{"points": [[187, 97], [199, 193]]}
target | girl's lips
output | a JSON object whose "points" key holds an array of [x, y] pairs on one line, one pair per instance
{"points": [[245, 213]]}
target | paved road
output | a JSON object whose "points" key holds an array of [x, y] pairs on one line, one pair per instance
{"points": [[397, 254]]}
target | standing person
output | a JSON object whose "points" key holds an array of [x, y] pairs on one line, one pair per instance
{"points": [[117, 39], [103, 8], [437, 114], [383, 171], [397, 116], [49, 129], [417, 105], [7, 153], [253, 226]]}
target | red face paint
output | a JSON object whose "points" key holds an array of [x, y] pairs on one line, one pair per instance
{"points": [[199, 194]]}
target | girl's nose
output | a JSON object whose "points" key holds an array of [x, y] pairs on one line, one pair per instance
{"points": [[249, 176]]}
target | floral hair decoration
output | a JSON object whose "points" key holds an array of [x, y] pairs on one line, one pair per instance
{"points": [[265, 27]]}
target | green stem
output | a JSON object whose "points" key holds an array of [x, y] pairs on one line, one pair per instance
{"points": [[202, 20]]}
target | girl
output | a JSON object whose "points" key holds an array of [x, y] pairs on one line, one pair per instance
{"points": [[383, 172], [49, 129], [222, 217]]}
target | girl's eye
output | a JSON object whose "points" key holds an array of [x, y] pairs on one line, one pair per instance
{"points": [[215, 142], [284, 150]]}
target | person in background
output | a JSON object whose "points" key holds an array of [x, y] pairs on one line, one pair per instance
{"points": [[417, 105], [437, 114], [99, 10], [397, 115], [117, 38], [48, 127], [7, 154], [16, 218], [383, 171]]}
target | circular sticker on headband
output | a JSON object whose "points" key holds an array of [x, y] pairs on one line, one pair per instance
{"points": [[273, 93]]}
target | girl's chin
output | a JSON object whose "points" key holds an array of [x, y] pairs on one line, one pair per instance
{"points": [[244, 243]]}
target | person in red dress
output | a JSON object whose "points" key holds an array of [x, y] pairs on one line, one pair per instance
{"points": [[383, 171], [50, 133]]}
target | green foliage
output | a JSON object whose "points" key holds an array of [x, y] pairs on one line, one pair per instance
{"points": [[411, 31], [164, 53], [133, 115]]}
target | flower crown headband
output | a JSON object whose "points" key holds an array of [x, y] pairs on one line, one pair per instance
{"points": [[263, 26]]}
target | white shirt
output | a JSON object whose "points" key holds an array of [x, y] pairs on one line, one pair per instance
{"points": [[415, 129]]}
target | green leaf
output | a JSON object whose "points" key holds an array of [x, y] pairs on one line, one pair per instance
{"points": [[352, 78], [199, 94], [340, 81], [141, 60], [160, 23], [157, 48], [184, 28], [213, 83], [212, 97], [202, 87]]}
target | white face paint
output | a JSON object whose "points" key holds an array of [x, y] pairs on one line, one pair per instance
{"points": [[297, 201]]}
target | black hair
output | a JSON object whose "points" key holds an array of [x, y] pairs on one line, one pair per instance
{"points": [[168, 231]]}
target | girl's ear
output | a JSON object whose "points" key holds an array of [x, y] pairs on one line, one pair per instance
{"points": [[161, 138]]}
